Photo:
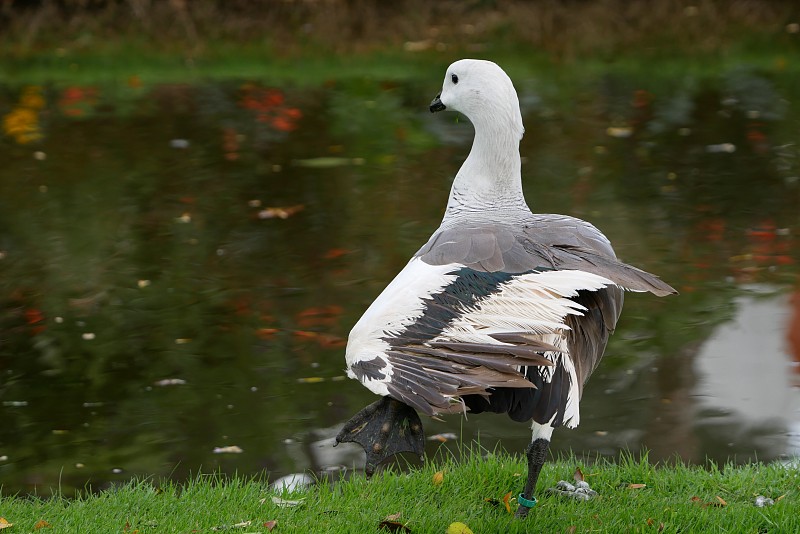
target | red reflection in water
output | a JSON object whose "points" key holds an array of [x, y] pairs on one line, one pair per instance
{"points": [[793, 335]]}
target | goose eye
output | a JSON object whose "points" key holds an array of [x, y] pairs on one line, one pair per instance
{"points": [[454, 78]]}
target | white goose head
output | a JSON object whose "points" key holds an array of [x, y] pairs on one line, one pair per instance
{"points": [[489, 181], [483, 92]]}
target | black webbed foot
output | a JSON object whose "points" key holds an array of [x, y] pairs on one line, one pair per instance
{"points": [[384, 428]]}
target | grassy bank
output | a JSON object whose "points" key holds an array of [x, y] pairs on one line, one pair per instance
{"points": [[634, 497]]}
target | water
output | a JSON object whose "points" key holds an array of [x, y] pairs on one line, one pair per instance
{"points": [[180, 266]]}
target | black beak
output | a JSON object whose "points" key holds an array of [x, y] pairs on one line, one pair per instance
{"points": [[437, 105]]}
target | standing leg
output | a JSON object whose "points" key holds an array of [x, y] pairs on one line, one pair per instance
{"points": [[537, 454]]}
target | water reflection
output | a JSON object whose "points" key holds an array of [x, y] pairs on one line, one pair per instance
{"points": [[747, 390], [180, 266]]}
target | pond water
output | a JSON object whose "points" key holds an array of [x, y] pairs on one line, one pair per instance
{"points": [[180, 266]]}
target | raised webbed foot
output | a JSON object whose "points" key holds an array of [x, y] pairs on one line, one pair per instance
{"points": [[383, 429]]}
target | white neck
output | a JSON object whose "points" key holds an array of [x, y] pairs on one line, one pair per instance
{"points": [[490, 178]]}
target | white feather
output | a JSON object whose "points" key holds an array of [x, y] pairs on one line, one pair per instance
{"points": [[535, 302], [397, 307]]}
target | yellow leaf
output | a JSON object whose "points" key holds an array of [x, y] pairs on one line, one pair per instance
{"points": [[722, 501], [438, 478], [505, 501], [458, 528], [311, 380], [637, 486], [41, 524], [4, 523]]}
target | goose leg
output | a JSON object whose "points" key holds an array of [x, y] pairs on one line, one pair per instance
{"points": [[536, 454]]}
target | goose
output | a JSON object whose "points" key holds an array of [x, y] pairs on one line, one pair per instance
{"points": [[501, 311]]}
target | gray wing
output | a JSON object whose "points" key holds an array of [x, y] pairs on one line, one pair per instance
{"points": [[539, 242]]}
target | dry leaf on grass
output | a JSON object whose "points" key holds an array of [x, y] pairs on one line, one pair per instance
{"points": [[438, 478], [4, 523], [393, 526], [505, 502], [578, 475], [637, 486], [720, 502], [269, 525], [286, 503], [41, 524], [506, 498]]}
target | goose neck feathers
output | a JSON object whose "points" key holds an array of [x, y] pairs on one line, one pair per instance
{"points": [[490, 178]]}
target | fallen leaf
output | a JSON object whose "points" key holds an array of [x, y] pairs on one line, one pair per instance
{"points": [[505, 501], [280, 212], [4, 523], [493, 501], [266, 333], [780, 498], [637, 486], [331, 309], [269, 525], [329, 341], [285, 503], [393, 526], [571, 529], [619, 131], [458, 528], [41, 524], [443, 437], [578, 475], [438, 478], [230, 449], [169, 382], [310, 380], [720, 502], [304, 334], [393, 517], [334, 253]]}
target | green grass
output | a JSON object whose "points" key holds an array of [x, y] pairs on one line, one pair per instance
{"points": [[679, 497]]}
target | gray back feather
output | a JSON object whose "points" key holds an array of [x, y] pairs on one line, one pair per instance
{"points": [[536, 242]]}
